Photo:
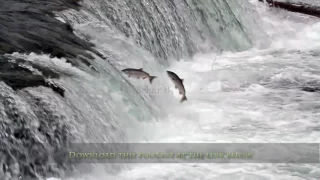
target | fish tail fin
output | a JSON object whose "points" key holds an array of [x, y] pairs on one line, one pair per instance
{"points": [[184, 98], [151, 78]]}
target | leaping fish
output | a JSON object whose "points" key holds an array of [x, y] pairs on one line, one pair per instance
{"points": [[138, 73], [178, 84]]}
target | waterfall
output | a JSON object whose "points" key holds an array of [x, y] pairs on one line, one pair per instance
{"points": [[61, 79]]}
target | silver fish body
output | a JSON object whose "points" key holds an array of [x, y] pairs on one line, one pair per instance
{"points": [[138, 73], [178, 83]]}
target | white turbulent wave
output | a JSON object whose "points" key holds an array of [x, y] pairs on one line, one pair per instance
{"points": [[250, 96]]}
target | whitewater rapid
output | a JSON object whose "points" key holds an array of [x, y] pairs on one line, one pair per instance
{"points": [[254, 96]]}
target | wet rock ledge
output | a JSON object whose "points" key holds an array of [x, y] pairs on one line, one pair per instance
{"points": [[295, 7], [30, 26]]}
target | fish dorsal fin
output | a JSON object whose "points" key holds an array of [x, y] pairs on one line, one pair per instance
{"points": [[182, 80], [140, 69]]}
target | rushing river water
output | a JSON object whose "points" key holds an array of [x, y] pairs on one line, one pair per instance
{"points": [[251, 74]]}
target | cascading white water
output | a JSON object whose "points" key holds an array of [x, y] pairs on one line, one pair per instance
{"points": [[250, 96]]}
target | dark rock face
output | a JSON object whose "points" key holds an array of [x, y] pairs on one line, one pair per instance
{"points": [[303, 8], [32, 132], [30, 26], [19, 77]]}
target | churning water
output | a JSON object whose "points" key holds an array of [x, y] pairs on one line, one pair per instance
{"points": [[252, 77]]}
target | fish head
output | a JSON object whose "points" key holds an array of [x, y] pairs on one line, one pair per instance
{"points": [[172, 76]]}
